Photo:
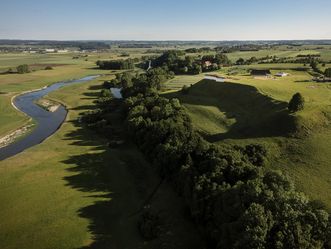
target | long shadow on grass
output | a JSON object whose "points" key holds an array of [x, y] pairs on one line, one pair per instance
{"points": [[256, 115], [101, 173]]}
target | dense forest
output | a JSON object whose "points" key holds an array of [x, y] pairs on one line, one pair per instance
{"points": [[232, 197], [177, 62]]}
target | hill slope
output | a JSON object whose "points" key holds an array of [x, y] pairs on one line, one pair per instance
{"points": [[235, 113]]}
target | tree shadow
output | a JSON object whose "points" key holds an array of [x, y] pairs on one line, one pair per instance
{"points": [[96, 87], [118, 183], [255, 115], [100, 173], [84, 107], [122, 183], [92, 94], [304, 81]]}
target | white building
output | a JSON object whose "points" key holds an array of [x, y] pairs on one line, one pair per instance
{"points": [[281, 74]]}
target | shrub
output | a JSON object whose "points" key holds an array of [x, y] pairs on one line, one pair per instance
{"points": [[185, 89], [105, 93], [255, 153], [327, 72], [23, 69], [296, 103]]}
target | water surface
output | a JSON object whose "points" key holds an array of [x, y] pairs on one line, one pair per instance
{"points": [[47, 122]]}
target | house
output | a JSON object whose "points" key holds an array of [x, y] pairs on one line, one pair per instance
{"points": [[260, 72], [281, 74], [49, 50], [207, 63], [214, 77]]}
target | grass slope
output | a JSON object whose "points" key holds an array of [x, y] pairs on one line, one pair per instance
{"points": [[247, 110]]}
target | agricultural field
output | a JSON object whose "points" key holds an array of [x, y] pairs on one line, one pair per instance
{"points": [[285, 51]]}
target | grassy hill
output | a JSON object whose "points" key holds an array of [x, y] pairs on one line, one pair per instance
{"points": [[254, 110]]}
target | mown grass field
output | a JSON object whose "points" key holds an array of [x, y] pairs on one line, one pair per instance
{"points": [[254, 110], [73, 191]]}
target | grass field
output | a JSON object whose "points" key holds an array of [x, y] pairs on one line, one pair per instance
{"points": [[253, 110], [73, 191], [179, 81]]}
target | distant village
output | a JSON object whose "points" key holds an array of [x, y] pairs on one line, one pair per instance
{"points": [[38, 50]]}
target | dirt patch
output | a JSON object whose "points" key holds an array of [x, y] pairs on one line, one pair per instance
{"points": [[4, 141], [48, 105]]}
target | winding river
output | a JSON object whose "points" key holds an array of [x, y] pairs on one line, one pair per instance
{"points": [[47, 122]]}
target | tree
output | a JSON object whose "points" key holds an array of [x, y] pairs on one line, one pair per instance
{"points": [[116, 64], [313, 64], [221, 59], [240, 61], [327, 72], [296, 103], [197, 69], [23, 69], [256, 223]]}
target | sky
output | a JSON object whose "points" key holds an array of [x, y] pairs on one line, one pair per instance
{"points": [[165, 19]]}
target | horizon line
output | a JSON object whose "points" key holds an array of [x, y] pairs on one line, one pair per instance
{"points": [[169, 40]]}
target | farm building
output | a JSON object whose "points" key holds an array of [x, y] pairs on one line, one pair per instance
{"points": [[281, 74], [214, 77], [207, 63], [260, 72]]}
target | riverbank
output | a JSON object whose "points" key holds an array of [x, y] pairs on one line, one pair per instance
{"points": [[11, 137], [48, 114], [13, 84]]}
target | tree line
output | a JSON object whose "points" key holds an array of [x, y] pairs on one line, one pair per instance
{"points": [[116, 64], [233, 198], [177, 62]]}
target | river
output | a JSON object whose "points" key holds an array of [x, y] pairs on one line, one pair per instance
{"points": [[47, 122]]}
